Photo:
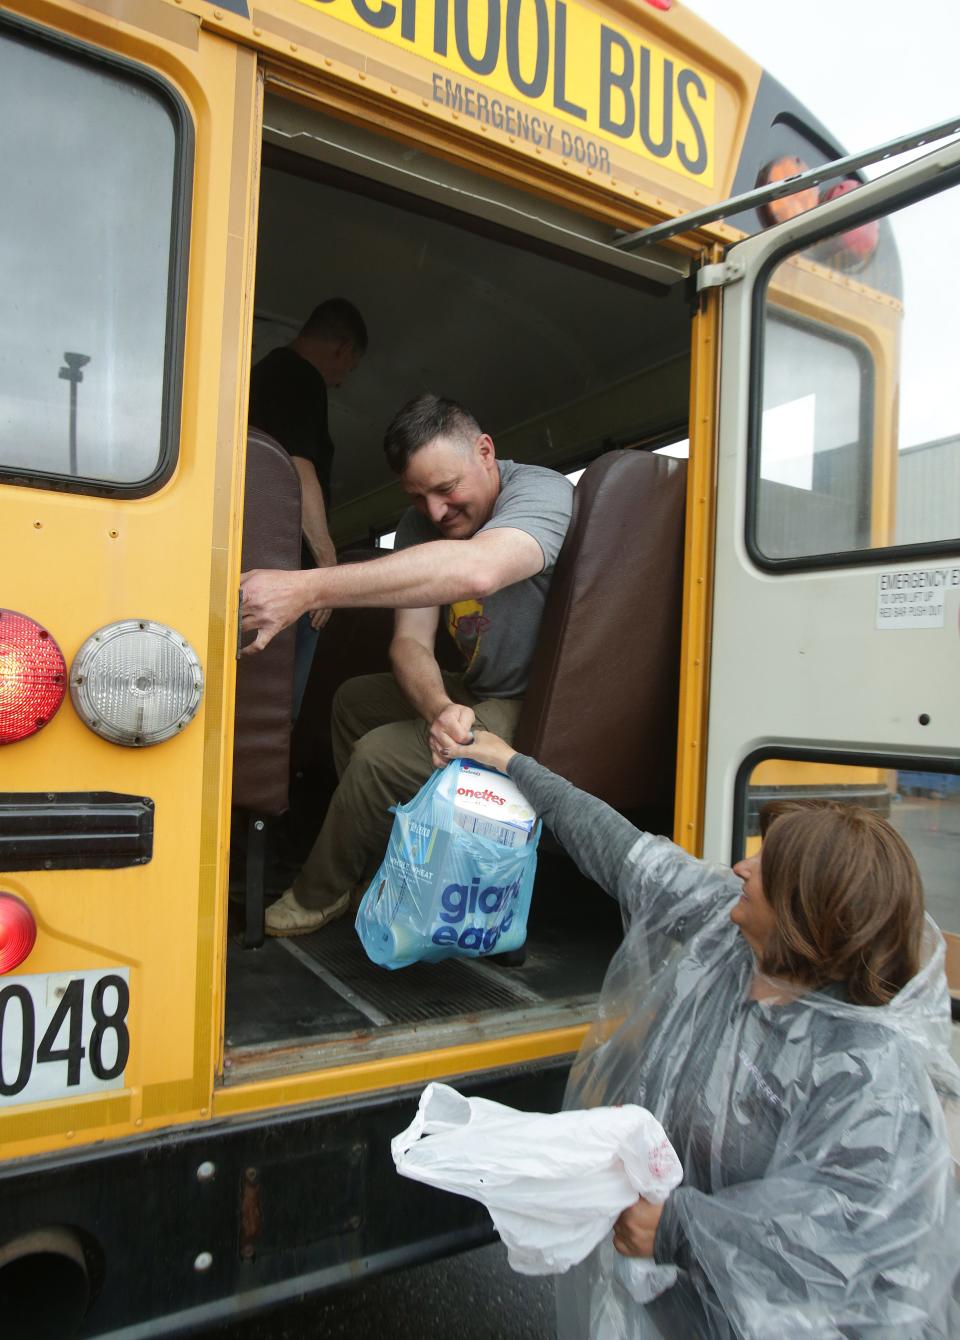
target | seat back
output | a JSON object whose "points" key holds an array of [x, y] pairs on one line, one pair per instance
{"points": [[601, 705], [262, 720]]}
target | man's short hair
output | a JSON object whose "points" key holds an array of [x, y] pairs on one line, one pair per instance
{"points": [[423, 419], [338, 321]]}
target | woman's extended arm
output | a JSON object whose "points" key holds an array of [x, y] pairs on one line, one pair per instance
{"points": [[596, 836]]}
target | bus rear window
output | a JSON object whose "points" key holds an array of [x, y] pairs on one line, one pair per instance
{"points": [[88, 235]]}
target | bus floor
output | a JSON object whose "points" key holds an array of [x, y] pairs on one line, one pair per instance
{"points": [[317, 1000]]}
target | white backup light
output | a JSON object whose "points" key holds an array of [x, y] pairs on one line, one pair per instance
{"points": [[136, 682]]}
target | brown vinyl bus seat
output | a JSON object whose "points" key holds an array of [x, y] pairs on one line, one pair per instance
{"points": [[601, 705], [264, 705]]}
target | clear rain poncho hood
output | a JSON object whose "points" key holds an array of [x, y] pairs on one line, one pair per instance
{"points": [[819, 1196]]}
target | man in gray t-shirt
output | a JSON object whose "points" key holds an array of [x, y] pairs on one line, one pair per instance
{"points": [[496, 633], [390, 731]]}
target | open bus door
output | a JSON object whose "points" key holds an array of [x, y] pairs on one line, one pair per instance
{"points": [[837, 561]]}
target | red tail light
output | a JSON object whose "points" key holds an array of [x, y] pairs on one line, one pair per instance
{"points": [[850, 250], [33, 676], [18, 932]]}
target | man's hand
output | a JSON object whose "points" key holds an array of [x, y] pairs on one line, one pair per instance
{"points": [[635, 1230], [272, 600], [452, 727]]}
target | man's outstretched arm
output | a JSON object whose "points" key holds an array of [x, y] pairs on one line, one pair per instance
{"points": [[416, 578]]}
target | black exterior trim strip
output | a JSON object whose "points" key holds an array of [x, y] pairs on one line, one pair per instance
{"points": [[74, 830]]}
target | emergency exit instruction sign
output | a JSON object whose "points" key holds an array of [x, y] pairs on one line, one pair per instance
{"points": [[914, 597]]}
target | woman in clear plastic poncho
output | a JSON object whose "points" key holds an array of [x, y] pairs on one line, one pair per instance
{"points": [[788, 1023]]}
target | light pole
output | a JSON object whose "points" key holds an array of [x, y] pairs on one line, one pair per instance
{"points": [[72, 374]]}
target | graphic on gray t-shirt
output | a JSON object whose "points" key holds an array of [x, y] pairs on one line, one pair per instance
{"points": [[497, 635]]}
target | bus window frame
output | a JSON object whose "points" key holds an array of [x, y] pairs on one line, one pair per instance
{"points": [[860, 351], [784, 753], [39, 36], [950, 179]]}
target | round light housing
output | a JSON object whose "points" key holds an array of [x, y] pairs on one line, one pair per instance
{"points": [[787, 206], [33, 676], [850, 250], [136, 682], [18, 932]]}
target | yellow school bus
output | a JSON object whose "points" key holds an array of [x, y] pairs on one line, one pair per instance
{"points": [[192, 1127]]}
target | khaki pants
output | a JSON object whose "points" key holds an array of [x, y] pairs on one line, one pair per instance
{"points": [[382, 759]]}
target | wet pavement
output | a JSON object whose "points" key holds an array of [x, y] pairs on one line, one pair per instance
{"points": [[474, 1296]]}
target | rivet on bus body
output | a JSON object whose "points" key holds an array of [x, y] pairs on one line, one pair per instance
{"points": [[361, 75], [218, 13], [138, 1121], [113, 534], [293, 46], [258, 32], [203, 1112], [512, 140], [424, 102], [69, 1135], [38, 525], [393, 88], [327, 60], [699, 581], [203, 1261], [455, 115], [589, 172]]}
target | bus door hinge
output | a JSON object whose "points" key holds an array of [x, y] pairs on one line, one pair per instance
{"points": [[719, 275]]}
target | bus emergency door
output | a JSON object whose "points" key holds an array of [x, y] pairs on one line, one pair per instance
{"points": [[118, 545], [837, 569]]}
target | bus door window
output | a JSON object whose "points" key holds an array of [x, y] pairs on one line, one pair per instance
{"points": [[857, 431], [922, 802]]}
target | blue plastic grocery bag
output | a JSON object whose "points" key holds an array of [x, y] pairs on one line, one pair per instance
{"points": [[442, 890]]}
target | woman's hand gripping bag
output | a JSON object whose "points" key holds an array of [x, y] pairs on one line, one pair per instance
{"points": [[457, 876]]}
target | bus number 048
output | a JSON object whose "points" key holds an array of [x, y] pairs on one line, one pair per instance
{"points": [[108, 1018]]}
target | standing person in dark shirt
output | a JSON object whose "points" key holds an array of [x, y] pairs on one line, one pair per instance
{"points": [[288, 400]]}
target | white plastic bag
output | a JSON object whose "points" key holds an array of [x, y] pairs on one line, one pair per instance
{"points": [[554, 1185]]}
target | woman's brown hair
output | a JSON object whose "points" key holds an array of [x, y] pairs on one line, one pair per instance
{"points": [[847, 897]]}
